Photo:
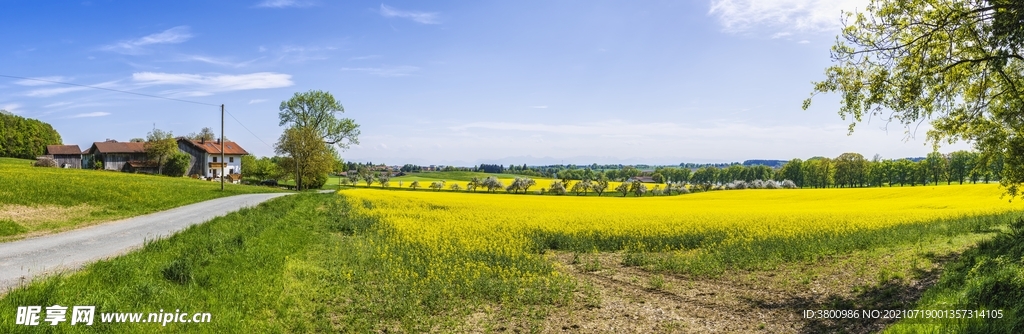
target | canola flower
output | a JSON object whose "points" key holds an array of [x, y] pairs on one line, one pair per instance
{"points": [[517, 226], [456, 245]]}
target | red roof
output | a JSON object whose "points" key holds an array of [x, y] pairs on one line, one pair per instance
{"points": [[63, 149], [213, 147], [117, 147]]}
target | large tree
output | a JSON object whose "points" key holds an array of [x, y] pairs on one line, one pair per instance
{"points": [[317, 110], [310, 159], [958, 63], [160, 145], [315, 113]]}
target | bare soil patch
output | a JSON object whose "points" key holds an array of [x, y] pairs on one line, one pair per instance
{"points": [[614, 298], [32, 217]]}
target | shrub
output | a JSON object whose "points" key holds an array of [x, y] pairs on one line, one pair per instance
{"points": [[314, 181], [97, 164], [45, 162], [789, 184], [177, 164]]}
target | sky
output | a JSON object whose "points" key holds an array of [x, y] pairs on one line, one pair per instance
{"points": [[451, 82]]}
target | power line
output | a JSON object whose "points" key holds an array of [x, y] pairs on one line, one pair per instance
{"points": [[141, 94], [109, 89]]}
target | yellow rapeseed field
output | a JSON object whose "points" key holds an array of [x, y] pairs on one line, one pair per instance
{"points": [[744, 227]]}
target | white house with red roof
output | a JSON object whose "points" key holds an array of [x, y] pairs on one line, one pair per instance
{"points": [[206, 157]]}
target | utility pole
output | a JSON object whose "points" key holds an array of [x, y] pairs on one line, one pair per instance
{"points": [[222, 163]]}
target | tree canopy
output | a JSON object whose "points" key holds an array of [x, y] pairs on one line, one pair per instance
{"points": [[317, 110], [957, 63], [25, 138]]}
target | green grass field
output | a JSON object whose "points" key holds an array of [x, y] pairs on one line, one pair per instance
{"points": [[36, 200]]}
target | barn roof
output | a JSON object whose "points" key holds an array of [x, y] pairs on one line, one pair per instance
{"points": [[63, 149], [117, 147], [213, 147], [143, 164]]}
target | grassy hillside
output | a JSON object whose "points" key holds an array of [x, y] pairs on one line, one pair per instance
{"points": [[35, 200]]}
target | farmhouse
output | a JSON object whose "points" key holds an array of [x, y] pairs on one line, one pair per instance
{"points": [[67, 156], [205, 157], [115, 155]]}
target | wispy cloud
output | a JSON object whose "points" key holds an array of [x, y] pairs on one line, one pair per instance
{"points": [[539, 107], [90, 114], [396, 71], [795, 15], [365, 57], [218, 61], [175, 35], [200, 85], [40, 82], [257, 101], [47, 92], [283, 4], [57, 104], [11, 108], [419, 17]]}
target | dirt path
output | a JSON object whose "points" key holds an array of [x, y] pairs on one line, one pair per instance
{"points": [[22, 260], [622, 299]]}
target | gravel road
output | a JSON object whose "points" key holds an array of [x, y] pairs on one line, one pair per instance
{"points": [[22, 260]]}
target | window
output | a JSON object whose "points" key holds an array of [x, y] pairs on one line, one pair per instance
{"points": [[231, 159], [214, 159]]}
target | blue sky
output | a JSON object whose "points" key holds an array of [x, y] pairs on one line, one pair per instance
{"points": [[451, 82]]}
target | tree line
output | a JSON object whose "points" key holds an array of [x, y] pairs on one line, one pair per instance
{"points": [[25, 138]]}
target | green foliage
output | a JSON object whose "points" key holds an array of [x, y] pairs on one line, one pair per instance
{"points": [[956, 63], [984, 278], [314, 159], [160, 145], [316, 111], [25, 138], [260, 169], [177, 164]]}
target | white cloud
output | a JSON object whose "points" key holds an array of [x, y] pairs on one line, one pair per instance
{"points": [[38, 82], [282, 4], [804, 41], [257, 101], [47, 92], [175, 35], [539, 107], [364, 57], [202, 85], [216, 61], [781, 35], [419, 17], [91, 114], [396, 71], [57, 104], [797, 15]]}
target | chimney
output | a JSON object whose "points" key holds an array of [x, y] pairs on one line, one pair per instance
{"points": [[202, 140]]}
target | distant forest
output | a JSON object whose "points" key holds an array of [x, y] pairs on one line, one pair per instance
{"points": [[25, 138]]}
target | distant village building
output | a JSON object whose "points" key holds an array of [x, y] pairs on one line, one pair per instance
{"points": [[115, 155], [205, 157], [67, 156]]}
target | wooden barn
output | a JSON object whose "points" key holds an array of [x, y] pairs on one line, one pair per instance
{"points": [[144, 166], [114, 155], [67, 156]]}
